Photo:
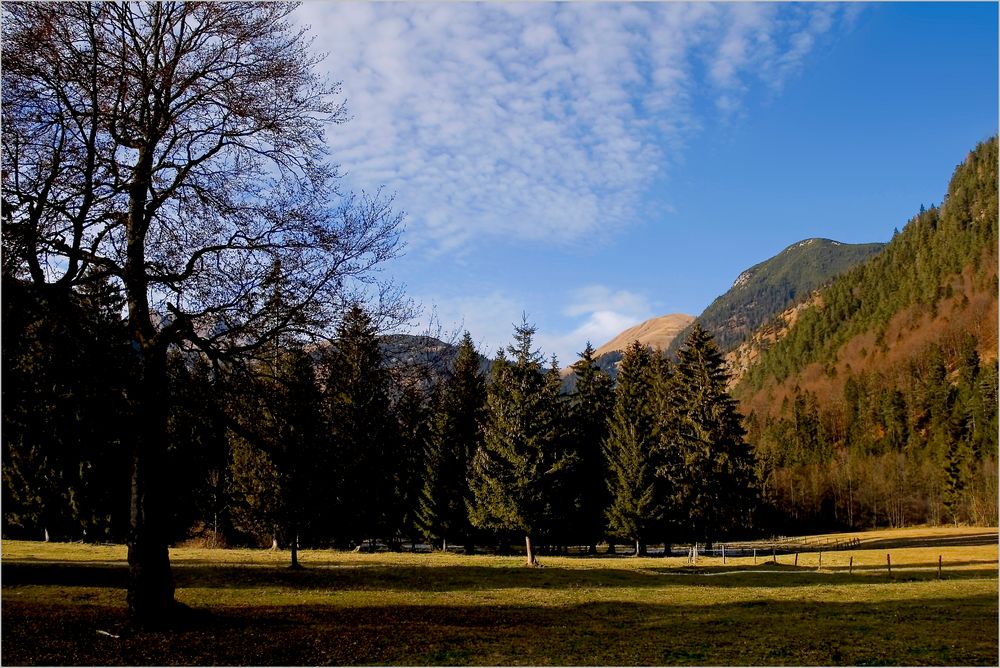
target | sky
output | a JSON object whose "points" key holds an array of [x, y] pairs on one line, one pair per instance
{"points": [[593, 165]]}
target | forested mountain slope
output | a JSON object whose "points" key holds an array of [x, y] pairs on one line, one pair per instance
{"points": [[768, 288], [878, 405]]}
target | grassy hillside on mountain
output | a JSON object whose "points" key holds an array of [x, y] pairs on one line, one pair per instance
{"points": [[657, 333], [768, 288], [878, 405]]}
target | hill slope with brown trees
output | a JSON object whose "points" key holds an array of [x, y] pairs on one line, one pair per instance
{"points": [[879, 404]]}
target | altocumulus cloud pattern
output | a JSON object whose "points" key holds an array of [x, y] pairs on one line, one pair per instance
{"points": [[534, 122]]}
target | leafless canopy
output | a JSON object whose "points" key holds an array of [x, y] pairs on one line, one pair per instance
{"points": [[177, 150]]}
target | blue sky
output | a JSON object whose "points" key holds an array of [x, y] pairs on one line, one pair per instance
{"points": [[597, 164]]}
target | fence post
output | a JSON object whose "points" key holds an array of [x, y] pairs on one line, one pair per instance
{"points": [[888, 563], [755, 556], [939, 567], [820, 560], [774, 558], [850, 567], [796, 558], [723, 554]]}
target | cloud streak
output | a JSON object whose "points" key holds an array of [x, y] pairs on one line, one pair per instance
{"points": [[536, 123]]}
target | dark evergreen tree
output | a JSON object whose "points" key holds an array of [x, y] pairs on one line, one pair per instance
{"points": [[364, 447], [590, 408], [564, 502], [715, 491], [274, 475], [198, 449], [413, 430], [456, 434], [64, 367], [517, 468], [637, 499]]}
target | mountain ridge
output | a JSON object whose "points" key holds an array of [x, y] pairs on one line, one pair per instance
{"points": [[770, 287]]}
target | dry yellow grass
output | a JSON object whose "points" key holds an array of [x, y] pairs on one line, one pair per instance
{"points": [[657, 333]]}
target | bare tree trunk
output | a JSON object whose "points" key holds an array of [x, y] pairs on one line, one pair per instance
{"points": [[530, 551], [295, 551], [150, 595]]}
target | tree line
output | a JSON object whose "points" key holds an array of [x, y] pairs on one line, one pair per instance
{"points": [[330, 445]]}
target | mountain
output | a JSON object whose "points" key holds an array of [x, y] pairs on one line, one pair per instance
{"points": [[768, 288], [935, 282], [657, 333], [423, 354], [875, 402]]}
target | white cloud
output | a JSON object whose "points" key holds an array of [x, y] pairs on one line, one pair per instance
{"points": [[597, 314], [537, 122], [594, 298], [593, 313]]}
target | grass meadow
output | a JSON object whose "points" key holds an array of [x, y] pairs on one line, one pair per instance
{"points": [[64, 604]]}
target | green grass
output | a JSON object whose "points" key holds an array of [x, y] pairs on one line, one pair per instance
{"points": [[345, 608]]}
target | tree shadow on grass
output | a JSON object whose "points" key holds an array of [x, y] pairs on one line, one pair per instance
{"points": [[472, 578], [959, 631], [971, 538]]}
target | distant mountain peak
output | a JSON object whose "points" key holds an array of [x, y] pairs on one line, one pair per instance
{"points": [[657, 333]]}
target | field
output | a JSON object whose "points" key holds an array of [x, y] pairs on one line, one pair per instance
{"points": [[60, 602]]}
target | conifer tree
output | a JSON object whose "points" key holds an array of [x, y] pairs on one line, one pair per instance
{"points": [[275, 451], [637, 503], [715, 486], [199, 448], [590, 408], [455, 435], [363, 446], [63, 366], [563, 504], [413, 425], [515, 471]]}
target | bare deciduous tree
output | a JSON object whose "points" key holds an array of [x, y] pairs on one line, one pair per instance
{"points": [[177, 150]]}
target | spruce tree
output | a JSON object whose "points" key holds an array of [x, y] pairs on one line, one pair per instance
{"points": [[455, 435], [637, 503], [714, 487], [412, 411], [590, 408], [516, 469], [563, 504], [276, 445], [63, 366], [363, 450]]}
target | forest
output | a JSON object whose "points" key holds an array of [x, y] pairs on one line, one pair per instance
{"points": [[879, 408], [330, 445]]}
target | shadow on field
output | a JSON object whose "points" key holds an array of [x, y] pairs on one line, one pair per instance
{"points": [[476, 578], [958, 631], [970, 539]]}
